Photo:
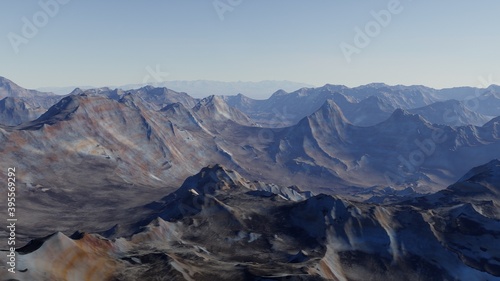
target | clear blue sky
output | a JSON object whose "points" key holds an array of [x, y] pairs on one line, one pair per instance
{"points": [[435, 43]]}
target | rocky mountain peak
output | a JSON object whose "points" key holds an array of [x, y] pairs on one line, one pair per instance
{"points": [[58, 112], [329, 114], [215, 108], [212, 178], [400, 115], [279, 93]]}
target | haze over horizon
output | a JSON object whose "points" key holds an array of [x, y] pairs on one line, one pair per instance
{"points": [[116, 43]]}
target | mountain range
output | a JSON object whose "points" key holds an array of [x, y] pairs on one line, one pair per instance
{"points": [[373, 103], [202, 88], [328, 183]]}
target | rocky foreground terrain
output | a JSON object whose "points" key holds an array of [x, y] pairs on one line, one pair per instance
{"points": [[221, 226]]}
